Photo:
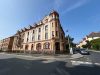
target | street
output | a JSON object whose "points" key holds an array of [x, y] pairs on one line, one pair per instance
{"points": [[11, 64], [17, 65]]}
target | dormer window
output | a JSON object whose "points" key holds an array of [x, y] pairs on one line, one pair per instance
{"points": [[28, 33], [46, 27], [46, 20], [39, 29], [33, 31]]}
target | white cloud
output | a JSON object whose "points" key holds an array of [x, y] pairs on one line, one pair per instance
{"points": [[69, 5], [76, 5]]}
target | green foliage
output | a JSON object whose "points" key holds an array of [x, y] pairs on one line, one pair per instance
{"points": [[70, 38], [84, 46], [88, 45], [70, 41], [95, 44]]}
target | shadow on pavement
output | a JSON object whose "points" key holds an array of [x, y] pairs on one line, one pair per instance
{"points": [[80, 69], [16, 66]]}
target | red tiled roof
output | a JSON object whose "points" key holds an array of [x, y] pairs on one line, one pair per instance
{"points": [[94, 34]]}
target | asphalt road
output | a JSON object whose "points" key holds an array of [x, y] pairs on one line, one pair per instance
{"points": [[94, 56], [86, 65], [22, 65], [17, 65]]}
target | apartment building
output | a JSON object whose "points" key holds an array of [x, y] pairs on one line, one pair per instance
{"points": [[46, 35], [6, 44], [0, 44]]}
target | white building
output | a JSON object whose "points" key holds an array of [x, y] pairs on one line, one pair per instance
{"points": [[90, 37]]}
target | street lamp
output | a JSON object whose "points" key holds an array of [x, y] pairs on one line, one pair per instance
{"points": [[70, 48], [68, 40]]}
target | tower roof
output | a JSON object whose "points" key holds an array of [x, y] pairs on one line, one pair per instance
{"points": [[54, 12]]}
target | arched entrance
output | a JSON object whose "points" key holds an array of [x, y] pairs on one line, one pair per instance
{"points": [[26, 47], [38, 46], [46, 45], [32, 48], [57, 47]]}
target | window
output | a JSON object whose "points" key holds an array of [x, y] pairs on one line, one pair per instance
{"points": [[53, 33], [32, 47], [47, 45], [27, 39], [23, 35], [52, 24], [56, 24], [39, 29], [38, 37], [46, 20], [56, 17], [26, 47], [46, 27], [46, 36], [38, 46], [56, 33], [33, 31], [28, 33], [22, 40], [32, 38]]}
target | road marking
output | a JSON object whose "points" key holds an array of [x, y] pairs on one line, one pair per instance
{"points": [[48, 61], [76, 63], [98, 64]]}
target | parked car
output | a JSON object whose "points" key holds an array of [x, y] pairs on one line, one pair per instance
{"points": [[84, 52], [81, 51]]}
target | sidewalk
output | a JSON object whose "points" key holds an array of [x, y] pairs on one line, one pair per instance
{"points": [[94, 51], [75, 56], [58, 56]]}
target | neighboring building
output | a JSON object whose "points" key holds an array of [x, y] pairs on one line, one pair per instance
{"points": [[0, 44], [47, 35], [6, 44], [90, 37], [93, 35]]}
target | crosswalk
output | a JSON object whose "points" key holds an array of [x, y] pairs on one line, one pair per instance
{"points": [[83, 63], [83, 67]]}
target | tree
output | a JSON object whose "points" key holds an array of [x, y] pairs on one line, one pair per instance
{"points": [[84, 46], [95, 44], [88, 45], [70, 40]]}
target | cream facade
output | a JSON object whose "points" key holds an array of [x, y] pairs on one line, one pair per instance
{"points": [[45, 36]]}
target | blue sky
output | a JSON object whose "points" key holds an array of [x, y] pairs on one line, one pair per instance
{"points": [[79, 17]]}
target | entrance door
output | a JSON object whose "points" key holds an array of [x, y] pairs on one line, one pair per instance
{"points": [[38, 46], [26, 47], [57, 47]]}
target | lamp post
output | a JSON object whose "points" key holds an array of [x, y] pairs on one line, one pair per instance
{"points": [[70, 48], [68, 40]]}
